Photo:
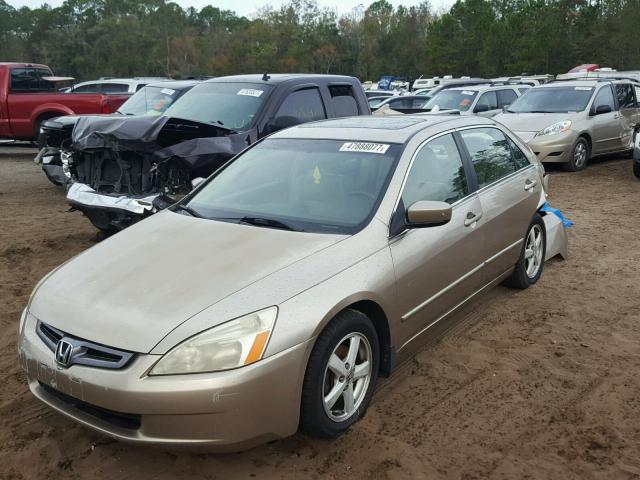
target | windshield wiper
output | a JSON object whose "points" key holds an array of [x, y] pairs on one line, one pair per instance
{"points": [[267, 222], [189, 210]]}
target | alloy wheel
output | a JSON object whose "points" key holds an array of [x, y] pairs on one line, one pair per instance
{"points": [[533, 251], [580, 155], [347, 377]]}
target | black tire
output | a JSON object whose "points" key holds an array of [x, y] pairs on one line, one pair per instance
{"points": [[574, 165], [314, 420], [519, 278], [636, 168]]}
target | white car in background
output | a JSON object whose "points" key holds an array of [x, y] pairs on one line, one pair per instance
{"points": [[114, 85], [484, 100]]}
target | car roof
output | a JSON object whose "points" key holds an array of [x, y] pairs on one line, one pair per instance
{"points": [[19, 64], [388, 128], [484, 88], [174, 84], [276, 78]]}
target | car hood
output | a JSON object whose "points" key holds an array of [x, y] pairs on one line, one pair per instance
{"points": [[134, 288], [530, 122]]}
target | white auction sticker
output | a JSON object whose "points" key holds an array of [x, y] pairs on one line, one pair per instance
{"points": [[250, 92], [167, 91], [586, 89], [468, 92], [365, 147]]}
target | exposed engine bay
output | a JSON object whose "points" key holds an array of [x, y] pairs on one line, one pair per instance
{"points": [[119, 166]]}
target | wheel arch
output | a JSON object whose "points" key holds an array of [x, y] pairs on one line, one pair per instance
{"points": [[589, 140]]}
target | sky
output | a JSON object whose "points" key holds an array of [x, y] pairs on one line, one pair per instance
{"points": [[249, 7]]}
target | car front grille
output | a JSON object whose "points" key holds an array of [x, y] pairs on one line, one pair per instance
{"points": [[82, 352], [130, 421]]}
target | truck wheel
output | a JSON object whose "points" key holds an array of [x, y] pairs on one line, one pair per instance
{"points": [[579, 156], [341, 375]]}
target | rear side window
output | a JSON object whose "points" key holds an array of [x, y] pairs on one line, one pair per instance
{"points": [[488, 99], [437, 174], [115, 88], [30, 80], [506, 97], [624, 93], [304, 105], [490, 153], [343, 101], [519, 158], [91, 88], [604, 97]]}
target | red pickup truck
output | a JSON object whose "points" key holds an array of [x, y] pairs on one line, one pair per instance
{"points": [[28, 96]]}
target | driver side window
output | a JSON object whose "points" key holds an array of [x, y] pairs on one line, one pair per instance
{"points": [[604, 97], [437, 173]]}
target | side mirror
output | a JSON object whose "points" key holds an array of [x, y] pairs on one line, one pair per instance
{"points": [[600, 109], [481, 108], [505, 108], [428, 214], [197, 181], [280, 123]]}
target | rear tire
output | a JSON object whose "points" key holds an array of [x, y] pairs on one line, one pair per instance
{"points": [[636, 168], [531, 261], [579, 156], [341, 375]]}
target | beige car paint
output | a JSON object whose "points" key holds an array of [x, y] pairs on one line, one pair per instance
{"points": [[606, 132], [170, 277]]}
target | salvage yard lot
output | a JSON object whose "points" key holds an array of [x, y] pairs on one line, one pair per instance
{"points": [[540, 383]]}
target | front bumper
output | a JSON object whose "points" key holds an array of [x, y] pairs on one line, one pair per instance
{"points": [[551, 148], [224, 411], [110, 212]]}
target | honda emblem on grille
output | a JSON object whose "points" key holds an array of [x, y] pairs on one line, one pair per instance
{"points": [[64, 351]]}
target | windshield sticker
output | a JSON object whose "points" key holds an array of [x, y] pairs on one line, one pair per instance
{"points": [[586, 89], [365, 147], [468, 92], [167, 91], [317, 176], [250, 92]]}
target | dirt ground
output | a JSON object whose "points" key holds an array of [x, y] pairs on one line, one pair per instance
{"points": [[537, 384]]}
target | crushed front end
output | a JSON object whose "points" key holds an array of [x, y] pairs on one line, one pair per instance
{"points": [[126, 169]]}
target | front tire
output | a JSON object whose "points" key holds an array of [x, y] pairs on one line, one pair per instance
{"points": [[580, 154], [341, 375], [531, 261]]}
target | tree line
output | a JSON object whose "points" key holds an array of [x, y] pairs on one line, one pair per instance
{"points": [[92, 38]]}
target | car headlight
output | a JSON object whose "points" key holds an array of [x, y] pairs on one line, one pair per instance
{"points": [[233, 344], [555, 128]]}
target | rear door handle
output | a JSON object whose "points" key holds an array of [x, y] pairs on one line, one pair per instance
{"points": [[472, 218], [529, 184]]}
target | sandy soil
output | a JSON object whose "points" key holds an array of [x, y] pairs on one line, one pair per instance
{"points": [[536, 384]]}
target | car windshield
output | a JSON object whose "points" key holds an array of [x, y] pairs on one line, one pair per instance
{"points": [[230, 105], [150, 101], [452, 100], [327, 186], [552, 100]]}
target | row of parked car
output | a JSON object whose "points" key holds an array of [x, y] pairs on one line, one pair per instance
{"points": [[564, 121]]}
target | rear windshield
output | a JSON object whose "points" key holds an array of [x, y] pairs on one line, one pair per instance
{"points": [[452, 100], [329, 186], [552, 100], [31, 80]]}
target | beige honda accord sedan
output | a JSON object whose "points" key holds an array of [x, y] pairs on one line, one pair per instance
{"points": [[274, 295]]}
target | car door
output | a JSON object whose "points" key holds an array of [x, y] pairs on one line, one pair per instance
{"points": [[487, 104], [509, 191], [629, 113], [437, 267], [606, 127]]}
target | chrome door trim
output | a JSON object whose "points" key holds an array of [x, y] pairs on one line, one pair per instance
{"points": [[452, 285], [448, 312]]}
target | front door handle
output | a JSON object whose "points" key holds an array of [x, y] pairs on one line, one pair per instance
{"points": [[529, 184], [472, 218]]}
